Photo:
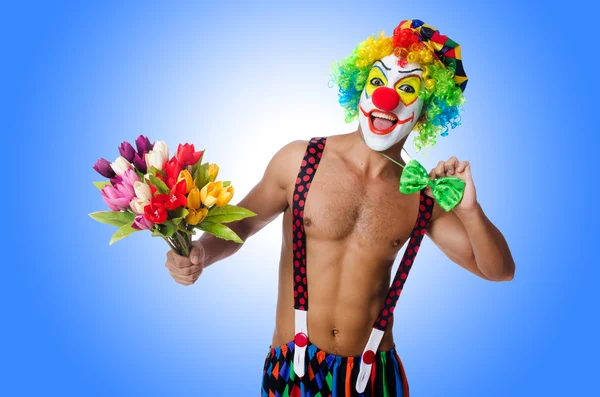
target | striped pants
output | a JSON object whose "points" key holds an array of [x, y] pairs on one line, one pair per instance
{"points": [[328, 375]]}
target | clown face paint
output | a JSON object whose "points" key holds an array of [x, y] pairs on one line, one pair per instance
{"points": [[389, 105]]}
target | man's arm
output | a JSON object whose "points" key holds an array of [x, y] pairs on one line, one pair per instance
{"points": [[267, 200], [470, 240]]}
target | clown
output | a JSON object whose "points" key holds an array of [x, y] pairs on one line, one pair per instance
{"points": [[413, 79], [337, 252]]}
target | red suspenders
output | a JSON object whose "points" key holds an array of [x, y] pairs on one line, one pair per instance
{"points": [[308, 168]]}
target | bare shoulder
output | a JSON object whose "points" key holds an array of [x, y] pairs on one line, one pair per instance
{"points": [[285, 163], [295, 148]]}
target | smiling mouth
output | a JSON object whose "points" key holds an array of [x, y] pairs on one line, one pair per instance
{"points": [[382, 123]]}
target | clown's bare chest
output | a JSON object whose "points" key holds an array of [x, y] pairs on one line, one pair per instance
{"points": [[345, 205]]}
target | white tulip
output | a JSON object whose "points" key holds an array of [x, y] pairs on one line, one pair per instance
{"points": [[137, 205], [121, 165], [162, 148], [158, 156], [142, 191]]}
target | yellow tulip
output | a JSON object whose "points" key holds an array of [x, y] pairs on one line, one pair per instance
{"points": [[225, 196], [213, 170], [193, 199], [210, 193], [189, 183], [196, 216], [216, 193]]}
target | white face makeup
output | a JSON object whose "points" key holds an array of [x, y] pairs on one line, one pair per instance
{"points": [[389, 105]]}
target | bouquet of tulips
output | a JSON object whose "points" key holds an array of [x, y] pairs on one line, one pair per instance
{"points": [[170, 197]]}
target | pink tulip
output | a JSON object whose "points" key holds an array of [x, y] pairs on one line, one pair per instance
{"points": [[119, 195], [130, 177], [141, 223]]}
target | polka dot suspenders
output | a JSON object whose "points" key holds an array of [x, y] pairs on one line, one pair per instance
{"points": [[386, 312], [310, 164]]}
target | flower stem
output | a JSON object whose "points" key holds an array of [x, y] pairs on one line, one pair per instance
{"points": [[170, 244], [184, 243]]}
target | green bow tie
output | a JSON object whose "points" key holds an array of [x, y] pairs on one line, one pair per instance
{"points": [[447, 191]]}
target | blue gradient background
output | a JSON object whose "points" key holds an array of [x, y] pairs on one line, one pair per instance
{"points": [[80, 318]]}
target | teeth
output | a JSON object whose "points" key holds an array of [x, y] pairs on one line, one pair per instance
{"points": [[384, 116]]}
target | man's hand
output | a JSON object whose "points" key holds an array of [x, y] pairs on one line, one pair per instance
{"points": [[462, 170], [186, 270]]}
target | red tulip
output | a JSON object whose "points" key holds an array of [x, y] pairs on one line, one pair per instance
{"points": [[186, 154], [177, 197], [172, 169], [159, 199], [155, 212]]}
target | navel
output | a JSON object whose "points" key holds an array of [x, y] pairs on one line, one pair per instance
{"points": [[395, 243], [307, 222], [334, 332]]}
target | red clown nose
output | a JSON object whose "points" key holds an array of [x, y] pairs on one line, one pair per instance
{"points": [[386, 98]]}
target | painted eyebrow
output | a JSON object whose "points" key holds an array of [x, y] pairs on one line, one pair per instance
{"points": [[382, 72], [380, 61], [409, 71]]}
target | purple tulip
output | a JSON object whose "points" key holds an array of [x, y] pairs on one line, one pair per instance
{"points": [[127, 151], [116, 179], [103, 167], [139, 163], [141, 223], [143, 145]]}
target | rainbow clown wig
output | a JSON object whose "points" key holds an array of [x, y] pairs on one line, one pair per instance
{"points": [[443, 74]]}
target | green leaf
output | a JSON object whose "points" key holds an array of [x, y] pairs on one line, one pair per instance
{"points": [[156, 232], [195, 169], [227, 213], [209, 178], [226, 183], [123, 232], [140, 174], [200, 177], [100, 185], [199, 162], [167, 228], [159, 185], [221, 231], [176, 216], [154, 171], [178, 213], [113, 218]]}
